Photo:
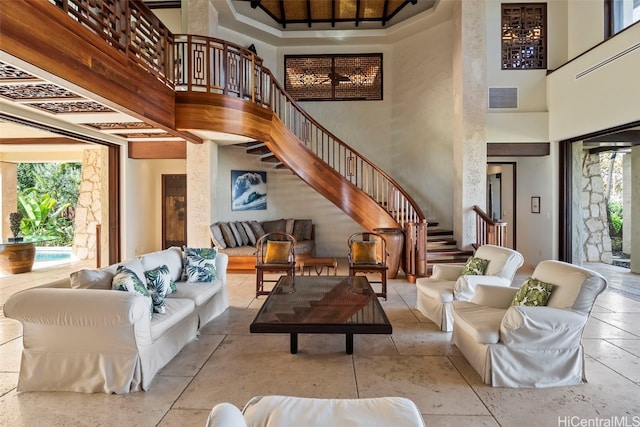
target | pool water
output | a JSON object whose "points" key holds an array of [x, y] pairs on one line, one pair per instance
{"points": [[52, 254]]}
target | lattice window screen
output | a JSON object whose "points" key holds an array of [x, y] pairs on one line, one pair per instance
{"points": [[524, 36], [334, 77]]}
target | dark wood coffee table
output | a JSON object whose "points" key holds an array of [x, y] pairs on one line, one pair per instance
{"points": [[322, 305]]}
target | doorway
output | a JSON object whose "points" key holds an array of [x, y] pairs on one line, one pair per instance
{"points": [[501, 196]]}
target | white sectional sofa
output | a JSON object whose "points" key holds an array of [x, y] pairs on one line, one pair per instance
{"points": [[89, 338]]}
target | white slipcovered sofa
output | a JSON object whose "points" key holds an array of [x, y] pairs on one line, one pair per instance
{"points": [[288, 411], [436, 293], [94, 339], [529, 346]]}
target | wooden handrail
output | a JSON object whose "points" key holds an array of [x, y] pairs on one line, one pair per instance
{"points": [[489, 231], [203, 64]]}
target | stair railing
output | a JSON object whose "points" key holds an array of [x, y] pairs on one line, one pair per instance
{"points": [[210, 65], [489, 231]]}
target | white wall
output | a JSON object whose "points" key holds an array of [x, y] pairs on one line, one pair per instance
{"points": [[141, 217], [585, 25], [287, 197], [606, 97], [422, 120]]}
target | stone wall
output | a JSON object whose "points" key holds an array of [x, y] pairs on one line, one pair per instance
{"points": [[596, 242], [90, 204]]}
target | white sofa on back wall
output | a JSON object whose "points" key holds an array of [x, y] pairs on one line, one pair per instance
{"points": [[80, 335]]}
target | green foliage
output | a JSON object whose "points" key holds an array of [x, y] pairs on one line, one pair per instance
{"points": [[615, 215], [47, 195]]}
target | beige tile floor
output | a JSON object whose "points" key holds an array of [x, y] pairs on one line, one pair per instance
{"points": [[417, 361]]}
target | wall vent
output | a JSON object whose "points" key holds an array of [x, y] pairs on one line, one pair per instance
{"points": [[503, 97], [608, 60]]}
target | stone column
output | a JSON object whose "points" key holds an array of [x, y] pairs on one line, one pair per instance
{"points": [[202, 199], [626, 203], [199, 17], [597, 242], [577, 220], [635, 209], [470, 110], [9, 188], [89, 213]]}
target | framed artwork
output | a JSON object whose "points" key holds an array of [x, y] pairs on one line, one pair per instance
{"points": [[535, 204], [248, 190]]}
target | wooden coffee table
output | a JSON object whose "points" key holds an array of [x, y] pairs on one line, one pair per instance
{"points": [[319, 264], [322, 305]]}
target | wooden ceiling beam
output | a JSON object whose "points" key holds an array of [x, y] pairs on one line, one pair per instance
{"points": [[33, 141], [518, 149], [385, 11], [309, 20], [158, 150], [283, 14], [357, 13]]}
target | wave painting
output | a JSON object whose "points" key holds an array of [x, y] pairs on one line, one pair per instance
{"points": [[249, 191]]}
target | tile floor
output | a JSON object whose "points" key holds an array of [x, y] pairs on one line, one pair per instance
{"points": [[417, 361]]}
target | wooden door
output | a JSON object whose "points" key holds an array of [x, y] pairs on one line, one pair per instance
{"points": [[174, 210]]}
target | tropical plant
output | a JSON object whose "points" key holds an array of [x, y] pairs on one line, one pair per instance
{"points": [[47, 195], [41, 220], [615, 215]]}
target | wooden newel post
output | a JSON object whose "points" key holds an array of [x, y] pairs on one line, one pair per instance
{"points": [[415, 250]]}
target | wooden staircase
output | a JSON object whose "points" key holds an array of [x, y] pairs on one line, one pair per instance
{"points": [[442, 248]]}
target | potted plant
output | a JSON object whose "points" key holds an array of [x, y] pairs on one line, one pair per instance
{"points": [[14, 224]]}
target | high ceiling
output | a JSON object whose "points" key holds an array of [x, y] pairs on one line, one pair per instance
{"points": [[329, 14]]}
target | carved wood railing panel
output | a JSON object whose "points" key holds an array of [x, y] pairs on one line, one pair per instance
{"points": [[488, 231], [130, 27]]}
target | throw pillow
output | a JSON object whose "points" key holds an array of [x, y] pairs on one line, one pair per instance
{"points": [[302, 229], [288, 225], [216, 232], [91, 279], [364, 252], [236, 233], [250, 234], [127, 280], [277, 252], [278, 225], [229, 239], [533, 292], [474, 267], [243, 234], [258, 231], [159, 285], [200, 264]]}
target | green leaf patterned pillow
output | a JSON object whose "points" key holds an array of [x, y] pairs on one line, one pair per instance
{"points": [[474, 267], [200, 264], [533, 292], [127, 280], [159, 285]]}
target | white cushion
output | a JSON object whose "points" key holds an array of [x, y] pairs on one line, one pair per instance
{"points": [[482, 323], [171, 257], [199, 292], [91, 279], [439, 290], [225, 415], [175, 310], [281, 411]]}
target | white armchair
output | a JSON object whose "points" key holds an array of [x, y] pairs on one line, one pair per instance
{"points": [[437, 292], [529, 346], [285, 411]]}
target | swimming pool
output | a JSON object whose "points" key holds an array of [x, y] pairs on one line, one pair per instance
{"points": [[53, 253]]}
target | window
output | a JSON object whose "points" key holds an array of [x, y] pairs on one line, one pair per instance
{"points": [[524, 36], [334, 77], [620, 14]]}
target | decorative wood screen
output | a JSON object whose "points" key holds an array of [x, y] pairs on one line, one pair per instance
{"points": [[334, 77], [524, 36]]}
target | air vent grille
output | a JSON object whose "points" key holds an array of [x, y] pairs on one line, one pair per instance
{"points": [[503, 97]]}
